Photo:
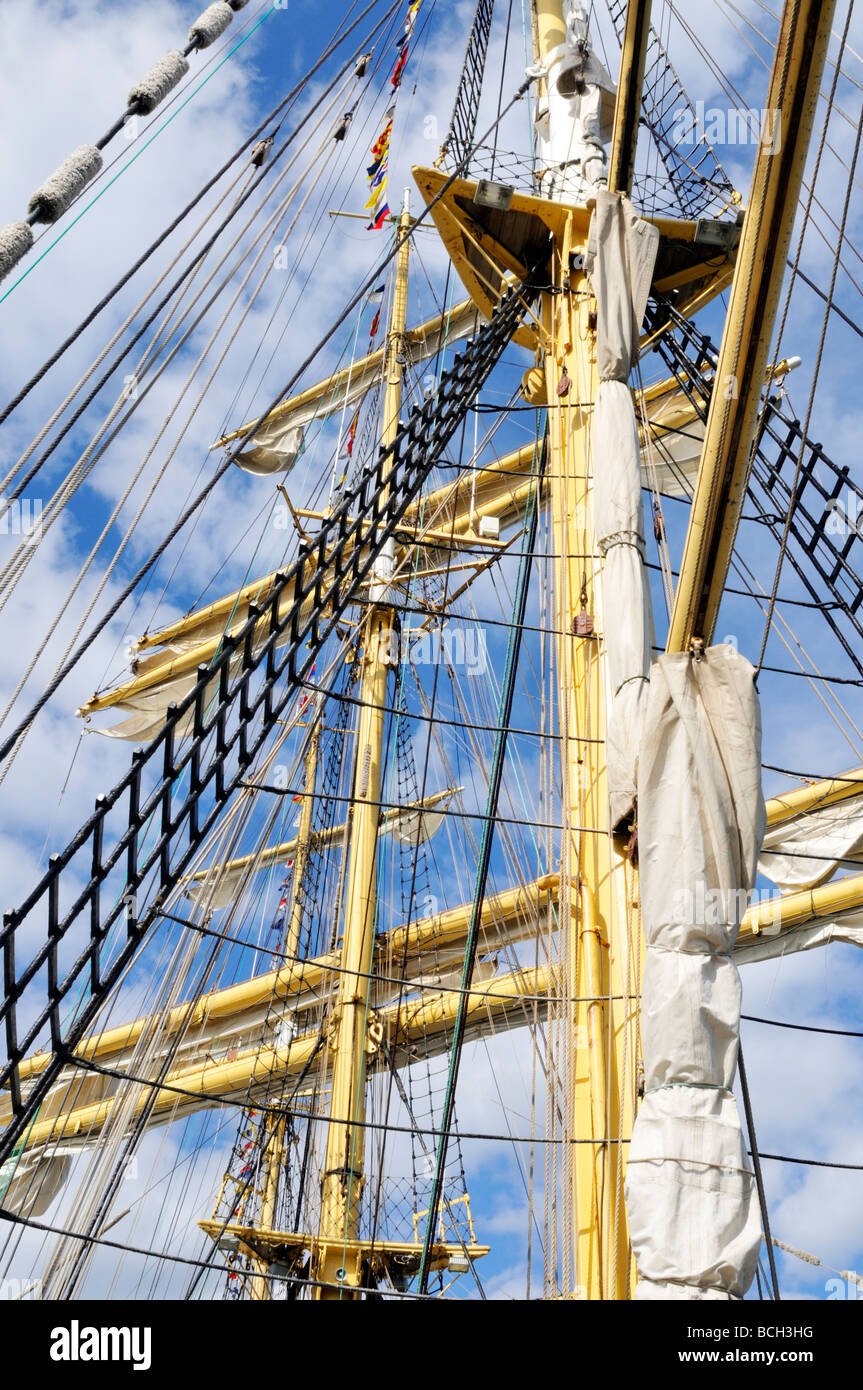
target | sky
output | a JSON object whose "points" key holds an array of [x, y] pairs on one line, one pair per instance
{"points": [[68, 66]]}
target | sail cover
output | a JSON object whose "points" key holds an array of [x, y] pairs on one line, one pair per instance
{"points": [[691, 1200], [621, 255]]}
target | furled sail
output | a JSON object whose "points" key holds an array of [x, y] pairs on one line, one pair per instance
{"points": [[808, 850], [846, 927], [798, 921], [169, 670], [671, 440], [622, 254], [691, 1200], [574, 122], [276, 446]]}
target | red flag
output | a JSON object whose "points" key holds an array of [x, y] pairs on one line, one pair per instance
{"points": [[380, 219], [400, 66]]}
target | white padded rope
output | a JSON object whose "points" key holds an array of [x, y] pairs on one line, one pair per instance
{"points": [[11, 573], [210, 25], [16, 238], [155, 85], [60, 190]]}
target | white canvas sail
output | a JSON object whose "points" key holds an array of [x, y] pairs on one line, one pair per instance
{"points": [[808, 850], [278, 443], [691, 1201], [622, 255]]}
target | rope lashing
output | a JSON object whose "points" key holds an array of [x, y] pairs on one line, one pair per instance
{"points": [[850, 1275], [60, 190]]}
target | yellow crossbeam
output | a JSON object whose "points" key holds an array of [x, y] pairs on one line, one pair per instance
{"points": [[814, 797], [777, 915], [261, 1070], [370, 365], [442, 931]]}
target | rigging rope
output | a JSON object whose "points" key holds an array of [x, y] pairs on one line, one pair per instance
{"points": [[321, 162], [459, 140], [223, 468], [821, 343], [471, 941], [64, 186], [756, 1164], [280, 109]]}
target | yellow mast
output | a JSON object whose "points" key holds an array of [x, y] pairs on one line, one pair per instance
{"points": [[342, 1183], [600, 926]]}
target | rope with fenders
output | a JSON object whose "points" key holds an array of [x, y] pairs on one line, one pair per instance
{"points": [[694, 171], [197, 501], [258, 157], [826, 542], [56, 195]]}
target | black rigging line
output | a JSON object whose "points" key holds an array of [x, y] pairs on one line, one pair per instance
{"points": [[664, 101], [814, 776], [283, 1110], [184, 274], [802, 1027], [809, 1162], [231, 458], [831, 304], [691, 357], [756, 1163], [408, 913], [203, 1266], [130, 1142], [502, 79]]}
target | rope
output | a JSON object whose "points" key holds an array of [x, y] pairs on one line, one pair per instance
{"points": [[803, 1027], [823, 335], [190, 270], [197, 501], [57, 193], [168, 460], [281, 110], [472, 938]]}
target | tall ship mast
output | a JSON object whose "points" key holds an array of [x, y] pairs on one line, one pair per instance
{"points": [[422, 816]]}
